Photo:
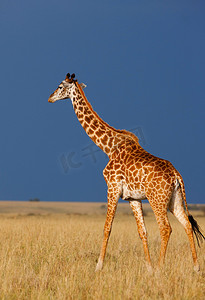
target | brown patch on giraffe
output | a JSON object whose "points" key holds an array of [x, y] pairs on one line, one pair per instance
{"points": [[87, 119], [119, 177], [117, 166], [86, 111], [104, 139], [107, 150], [91, 117], [95, 123], [110, 143], [138, 165], [79, 115], [150, 176], [157, 187], [163, 183], [90, 131], [99, 132], [132, 168], [85, 125]]}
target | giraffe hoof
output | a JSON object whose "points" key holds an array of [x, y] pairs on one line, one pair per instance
{"points": [[99, 266]]}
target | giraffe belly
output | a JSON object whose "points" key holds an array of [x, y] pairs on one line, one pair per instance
{"points": [[128, 194]]}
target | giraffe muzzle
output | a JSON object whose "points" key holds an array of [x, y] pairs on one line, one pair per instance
{"points": [[50, 99]]}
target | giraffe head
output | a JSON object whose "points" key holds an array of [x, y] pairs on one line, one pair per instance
{"points": [[65, 89]]}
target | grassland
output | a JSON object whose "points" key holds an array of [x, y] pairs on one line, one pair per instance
{"points": [[49, 251]]}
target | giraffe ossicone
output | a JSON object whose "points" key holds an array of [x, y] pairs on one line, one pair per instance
{"points": [[132, 174]]}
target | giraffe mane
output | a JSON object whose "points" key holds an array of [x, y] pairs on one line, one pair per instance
{"points": [[120, 131]]}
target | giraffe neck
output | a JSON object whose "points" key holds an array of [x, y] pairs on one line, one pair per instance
{"points": [[104, 136]]}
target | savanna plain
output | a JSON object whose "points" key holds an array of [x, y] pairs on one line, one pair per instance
{"points": [[50, 250]]}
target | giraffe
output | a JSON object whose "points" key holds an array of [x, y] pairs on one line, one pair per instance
{"points": [[134, 175]]}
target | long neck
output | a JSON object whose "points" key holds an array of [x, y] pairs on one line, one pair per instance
{"points": [[104, 136]]}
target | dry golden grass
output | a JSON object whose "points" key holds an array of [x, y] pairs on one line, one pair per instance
{"points": [[54, 257]]}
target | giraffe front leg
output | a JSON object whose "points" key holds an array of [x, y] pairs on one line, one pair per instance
{"points": [[138, 213], [113, 196]]}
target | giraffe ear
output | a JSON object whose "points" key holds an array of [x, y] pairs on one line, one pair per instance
{"points": [[83, 85]]}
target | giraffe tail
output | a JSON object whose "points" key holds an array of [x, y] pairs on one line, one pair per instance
{"points": [[195, 226], [197, 230]]}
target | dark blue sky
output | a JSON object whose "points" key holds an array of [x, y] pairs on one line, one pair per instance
{"points": [[144, 66]]}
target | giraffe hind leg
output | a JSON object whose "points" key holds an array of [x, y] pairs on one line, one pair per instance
{"points": [[177, 209], [165, 232], [136, 206], [160, 210]]}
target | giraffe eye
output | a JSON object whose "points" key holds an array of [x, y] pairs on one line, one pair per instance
{"points": [[60, 87]]}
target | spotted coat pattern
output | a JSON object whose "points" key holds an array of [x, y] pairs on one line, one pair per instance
{"points": [[132, 174]]}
